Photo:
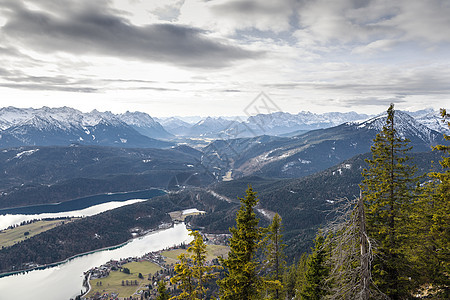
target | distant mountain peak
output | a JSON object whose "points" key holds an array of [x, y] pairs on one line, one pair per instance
{"points": [[405, 126], [65, 125]]}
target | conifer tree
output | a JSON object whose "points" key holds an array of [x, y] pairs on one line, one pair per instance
{"points": [[162, 291], [192, 271], [387, 188], [241, 281], [289, 281], [430, 221], [184, 278], [315, 285], [274, 263], [302, 267]]}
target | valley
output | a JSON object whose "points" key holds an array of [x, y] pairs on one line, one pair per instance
{"points": [[118, 192]]}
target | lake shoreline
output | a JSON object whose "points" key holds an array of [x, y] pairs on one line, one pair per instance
{"points": [[55, 264], [16, 210]]}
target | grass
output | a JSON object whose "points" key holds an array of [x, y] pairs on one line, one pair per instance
{"points": [[144, 267], [213, 252], [179, 216], [9, 237], [113, 283]]}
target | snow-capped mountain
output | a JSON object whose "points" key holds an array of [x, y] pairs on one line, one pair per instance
{"points": [[210, 127], [312, 151], [145, 124], [406, 127], [432, 119], [279, 123], [175, 126], [63, 126]]}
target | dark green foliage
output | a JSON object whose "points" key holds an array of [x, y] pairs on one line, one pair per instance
{"points": [[184, 277], [126, 270], [241, 282], [192, 272], [300, 276], [302, 202], [430, 230], [388, 190], [314, 285], [274, 264], [163, 294], [289, 281]]}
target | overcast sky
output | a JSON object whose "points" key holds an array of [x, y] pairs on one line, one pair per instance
{"points": [[199, 57]]}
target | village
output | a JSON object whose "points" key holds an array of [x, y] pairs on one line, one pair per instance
{"points": [[138, 277]]}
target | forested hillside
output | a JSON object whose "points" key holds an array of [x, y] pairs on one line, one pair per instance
{"points": [[391, 242]]}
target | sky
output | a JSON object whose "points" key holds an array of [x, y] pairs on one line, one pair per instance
{"points": [[225, 57]]}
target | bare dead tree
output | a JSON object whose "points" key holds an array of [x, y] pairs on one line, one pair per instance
{"points": [[351, 253]]}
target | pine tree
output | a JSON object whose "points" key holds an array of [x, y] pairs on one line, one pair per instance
{"points": [[162, 291], [388, 187], [302, 267], [184, 278], [430, 221], [289, 281], [241, 282], [315, 285], [274, 263], [192, 271]]}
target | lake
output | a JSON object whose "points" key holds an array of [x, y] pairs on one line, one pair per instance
{"points": [[65, 280], [82, 207]]}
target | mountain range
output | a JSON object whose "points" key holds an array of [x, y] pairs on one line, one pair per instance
{"points": [[313, 151], [64, 126], [55, 173]]}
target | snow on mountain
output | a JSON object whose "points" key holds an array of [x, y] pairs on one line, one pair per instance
{"points": [[64, 115], [306, 119], [210, 127], [432, 119], [64, 125], [95, 117], [41, 122], [281, 123], [175, 126], [145, 124], [139, 119], [173, 122], [4, 124], [277, 124], [70, 117], [338, 118], [10, 116], [405, 126]]}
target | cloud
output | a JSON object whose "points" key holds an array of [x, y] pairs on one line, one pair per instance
{"points": [[229, 16], [376, 80], [40, 87], [423, 21], [372, 25], [372, 101], [17, 79], [88, 30]]}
